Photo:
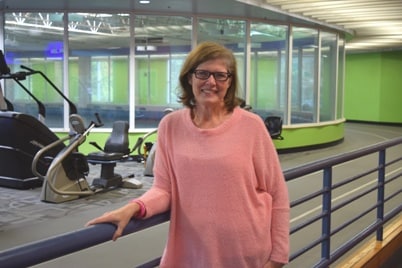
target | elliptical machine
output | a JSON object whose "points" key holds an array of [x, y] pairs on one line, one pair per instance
{"points": [[66, 177]]}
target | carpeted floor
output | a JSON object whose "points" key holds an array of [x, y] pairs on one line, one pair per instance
{"points": [[21, 207]]}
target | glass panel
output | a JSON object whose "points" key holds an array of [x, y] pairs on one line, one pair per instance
{"points": [[99, 69], [162, 44], [328, 76], [231, 34], [341, 73], [268, 72], [304, 75], [35, 40], [99, 65]]}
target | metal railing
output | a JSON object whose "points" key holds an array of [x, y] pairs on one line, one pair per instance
{"points": [[328, 208], [57, 246]]}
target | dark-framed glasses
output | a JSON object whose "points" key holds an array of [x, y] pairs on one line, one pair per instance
{"points": [[204, 75]]}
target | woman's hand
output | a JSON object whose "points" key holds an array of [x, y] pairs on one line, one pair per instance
{"points": [[119, 217]]}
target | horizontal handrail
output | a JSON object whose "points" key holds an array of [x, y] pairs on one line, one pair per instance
{"points": [[32, 253], [299, 171], [60, 245]]}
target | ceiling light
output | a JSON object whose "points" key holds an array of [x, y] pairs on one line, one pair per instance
{"points": [[146, 48], [144, 1]]}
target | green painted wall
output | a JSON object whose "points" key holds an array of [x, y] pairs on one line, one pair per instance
{"points": [[151, 81], [373, 87], [310, 136], [120, 82], [40, 87], [101, 137], [391, 88], [264, 77], [74, 81]]}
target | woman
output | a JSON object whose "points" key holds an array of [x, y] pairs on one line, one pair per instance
{"points": [[217, 171]]}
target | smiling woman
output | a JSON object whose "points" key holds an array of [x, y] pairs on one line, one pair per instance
{"points": [[226, 204]]}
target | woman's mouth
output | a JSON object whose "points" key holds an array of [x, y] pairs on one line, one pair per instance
{"points": [[208, 91]]}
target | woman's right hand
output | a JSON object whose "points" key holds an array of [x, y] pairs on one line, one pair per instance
{"points": [[119, 217]]}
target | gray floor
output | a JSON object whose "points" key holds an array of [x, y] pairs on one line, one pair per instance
{"points": [[24, 218]]}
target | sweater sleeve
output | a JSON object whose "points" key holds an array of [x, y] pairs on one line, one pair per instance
{"points": [[158, 198], [270, 179]]}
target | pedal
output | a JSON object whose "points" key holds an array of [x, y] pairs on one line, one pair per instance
{"points": [[132, 183]]}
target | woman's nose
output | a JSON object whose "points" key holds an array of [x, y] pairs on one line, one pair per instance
{"points": [[211, 79]]}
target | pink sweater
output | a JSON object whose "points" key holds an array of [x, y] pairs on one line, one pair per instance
{"points": [[226, 192]]}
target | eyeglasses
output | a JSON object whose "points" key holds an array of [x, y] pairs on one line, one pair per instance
{"points": [[204, 75]]}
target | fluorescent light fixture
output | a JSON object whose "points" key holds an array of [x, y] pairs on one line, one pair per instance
{"points": [[146, 48], [144, 2]]}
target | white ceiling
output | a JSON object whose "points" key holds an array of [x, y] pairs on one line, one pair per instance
{"points": [[372, 25]]}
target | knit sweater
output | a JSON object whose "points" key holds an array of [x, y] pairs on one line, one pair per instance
{"points": [[226, 192]]}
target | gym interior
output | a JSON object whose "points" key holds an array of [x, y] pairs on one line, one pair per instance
{"points": [[108, 73]]}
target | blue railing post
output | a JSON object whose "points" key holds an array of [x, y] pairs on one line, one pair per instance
{"points": [[380, 192], [326, 209]]}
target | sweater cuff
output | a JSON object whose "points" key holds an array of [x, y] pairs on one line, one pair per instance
{"points": [[143, 212]]}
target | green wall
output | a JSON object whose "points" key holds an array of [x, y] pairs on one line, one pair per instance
{"points": [[120, 82], [297, 138], [373, 87], [151, 81], [264, 83], [40, 87], [101, 137]]}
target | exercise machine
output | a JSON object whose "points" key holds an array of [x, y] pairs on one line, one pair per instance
{"points": [[22, 136], [272, 123], [5, 104], [116, 149], [274, 127], [148, 156], [5, 73], [66, 178]]}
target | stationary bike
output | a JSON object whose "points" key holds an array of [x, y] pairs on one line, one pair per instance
{"points": [[65, 179]]}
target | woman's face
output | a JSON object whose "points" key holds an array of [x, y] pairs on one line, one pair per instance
{"points": [[210, 91]]}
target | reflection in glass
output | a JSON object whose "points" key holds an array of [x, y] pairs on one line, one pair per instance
{"points": [[162, 43], [268, 72], [304, 75], [103, 79], [341, 75], [36, 41], [328, 76], [99, 65], [230, 33]]}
